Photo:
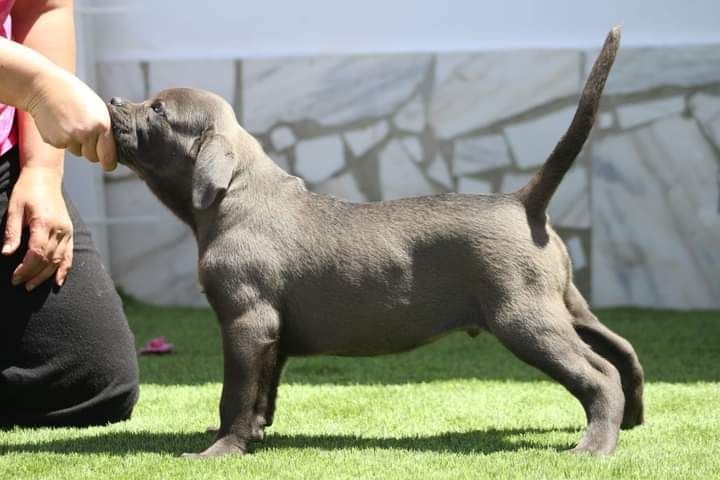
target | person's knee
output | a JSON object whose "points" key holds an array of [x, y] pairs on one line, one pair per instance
{"points": [[124, 390], [122, 406], [115, 403]]}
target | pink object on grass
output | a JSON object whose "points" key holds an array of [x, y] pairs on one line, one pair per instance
{"points": [[156, 346]]}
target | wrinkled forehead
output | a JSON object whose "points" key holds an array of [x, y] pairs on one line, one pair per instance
{"points": [[192, 111], [194, 100]]}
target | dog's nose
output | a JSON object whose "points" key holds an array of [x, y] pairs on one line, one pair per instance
{"points": [[116, 101]]}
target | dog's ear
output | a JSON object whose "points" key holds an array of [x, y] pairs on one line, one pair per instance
{"points": [[214, 165]]}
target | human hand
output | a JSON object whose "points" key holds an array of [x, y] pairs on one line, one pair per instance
{"points": [[36, 201], [70, 115]]}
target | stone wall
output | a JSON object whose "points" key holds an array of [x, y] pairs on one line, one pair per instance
{"points": [[639, 210]]}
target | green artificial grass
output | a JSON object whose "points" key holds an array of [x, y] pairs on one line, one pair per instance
{"points": [[460, 408]]}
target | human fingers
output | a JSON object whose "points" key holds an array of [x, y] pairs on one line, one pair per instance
{"points": [[13, 227], [107, 151], [37, 257], [65, 264]]}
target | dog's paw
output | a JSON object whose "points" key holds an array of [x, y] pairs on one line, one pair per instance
{"points": [[258, 428], [193, 455], [227, 445], [594, 446], [258, 435], [633, 415]]}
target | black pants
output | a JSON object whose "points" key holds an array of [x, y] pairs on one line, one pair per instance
{"points": [[67, 356]]}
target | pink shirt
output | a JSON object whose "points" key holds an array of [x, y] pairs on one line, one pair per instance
{"points": [[8, 130]]}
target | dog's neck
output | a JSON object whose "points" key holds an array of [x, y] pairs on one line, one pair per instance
{"points": [[253, 194], [179, 205]]}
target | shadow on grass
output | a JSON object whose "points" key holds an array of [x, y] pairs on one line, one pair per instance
{"points": [[673, 346], [124, 443]]}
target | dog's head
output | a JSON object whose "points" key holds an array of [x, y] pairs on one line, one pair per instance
{"points": [[182, 142]]}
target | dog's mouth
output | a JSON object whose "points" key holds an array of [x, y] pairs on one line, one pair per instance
{"points": [[125, 138]]}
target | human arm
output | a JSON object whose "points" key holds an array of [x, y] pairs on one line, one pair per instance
{"points": [[34, 79], [36, 200]]}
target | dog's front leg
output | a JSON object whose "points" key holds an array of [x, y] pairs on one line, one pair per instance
{"points": [[273, 364], [265, 408], [244, 339]]}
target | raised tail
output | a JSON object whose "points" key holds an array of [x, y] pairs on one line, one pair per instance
{"points": [[541, 187]]}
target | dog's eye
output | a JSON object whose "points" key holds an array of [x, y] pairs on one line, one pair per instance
{"points": [[158, 108]]}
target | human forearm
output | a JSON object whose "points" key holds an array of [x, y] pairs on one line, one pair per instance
{"points": [[21, 70], [67, 113], [47, 28]]}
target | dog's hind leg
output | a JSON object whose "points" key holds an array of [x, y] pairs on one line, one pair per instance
{"points": [[615, 349], [543, 337]]}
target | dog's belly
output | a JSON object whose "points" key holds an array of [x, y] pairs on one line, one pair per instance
{"points": [[355, 310], [364, 329], [390, 284]]}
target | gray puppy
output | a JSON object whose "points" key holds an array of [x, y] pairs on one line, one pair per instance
{"points": [[290, 272]]}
